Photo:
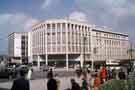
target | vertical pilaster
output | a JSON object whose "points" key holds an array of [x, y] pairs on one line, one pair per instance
{"points": [[51, 36], [70, 28], [66, 27], [56, 28], [61, 45], [46, 45], [92, 53]]}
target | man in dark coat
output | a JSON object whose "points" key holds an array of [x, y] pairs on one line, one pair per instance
{"points": [[50, 73], [75, 85], [52, 83], [121, 75], [21, 83]]}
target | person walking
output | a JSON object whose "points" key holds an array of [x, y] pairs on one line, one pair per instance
{"points": [[29, 73], [84, 84], [75, 85], [103, 74], [114, 74], [50, 73], [121, 75], [97, 82], [21, 83], [52, 83]]}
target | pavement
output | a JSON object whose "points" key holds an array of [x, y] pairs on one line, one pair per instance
{"points": [[39, 80], [40, 84], [59, 72]]}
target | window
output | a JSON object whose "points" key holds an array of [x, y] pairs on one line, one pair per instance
{"points": [[53, 26], [48, 26]]}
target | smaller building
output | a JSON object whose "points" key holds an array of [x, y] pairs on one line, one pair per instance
{"points": [[18, 47], [3, 59]]}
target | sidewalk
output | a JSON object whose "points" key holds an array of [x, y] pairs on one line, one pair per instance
{"points": [[41, 84]]}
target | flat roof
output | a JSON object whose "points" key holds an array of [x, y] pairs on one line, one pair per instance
{"points": [[111, 32], [61, 20], [17, 33], [95, 27]]}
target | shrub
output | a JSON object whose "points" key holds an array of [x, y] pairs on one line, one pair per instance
{"points": [[119, 84]]}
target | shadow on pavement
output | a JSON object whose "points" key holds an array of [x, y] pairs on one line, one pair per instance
{"points": [[4, 89]]}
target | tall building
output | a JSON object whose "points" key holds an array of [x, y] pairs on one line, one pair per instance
{"points": [[63, 43], [18, 47], [66, 42]]}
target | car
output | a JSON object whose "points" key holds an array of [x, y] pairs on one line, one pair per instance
{"points": [[44, 68], [17, 70], [6, 72]]}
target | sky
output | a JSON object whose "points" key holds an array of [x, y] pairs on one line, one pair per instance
{"points": [[20, 15]]}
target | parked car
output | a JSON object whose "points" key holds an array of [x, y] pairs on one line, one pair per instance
{"points": [[17, 70], [6, 72], [44, 68]]}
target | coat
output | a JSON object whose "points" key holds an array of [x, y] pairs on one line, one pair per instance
{"points": [[97, 82], [52, 84], [103, 73], [21, 84]]}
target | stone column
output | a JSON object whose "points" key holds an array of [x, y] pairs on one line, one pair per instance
{"points": [[38, 62], [67, 61], [81, 60], [46, 59]]}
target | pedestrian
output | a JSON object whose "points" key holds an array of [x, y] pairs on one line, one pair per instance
{"points": [[97, 81], [58, 81], [50, 73], [21, 83], [89, 78], [114, 73], [52, 83], [109, 74], [84, 84], [29, 73], [103, 74], [121, 75], [129, 76], [75, 85]]}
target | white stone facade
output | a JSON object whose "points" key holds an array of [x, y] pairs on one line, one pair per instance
{"points": [[68, 38], [18, 46], [109, 45], [62, 40]]}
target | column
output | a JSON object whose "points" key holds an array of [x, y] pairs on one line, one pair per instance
{"points": [[81, 60], [38, 62], [67, 61], [46, 59]]}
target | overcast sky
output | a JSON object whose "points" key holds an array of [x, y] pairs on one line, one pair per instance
{"points": [[19, 15]]}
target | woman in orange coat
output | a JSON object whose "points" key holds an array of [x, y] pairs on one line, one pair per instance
{"points": [[97, 82], [103, 74]]}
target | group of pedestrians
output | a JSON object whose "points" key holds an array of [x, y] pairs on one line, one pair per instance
{"points": [[87, 80], [93, 80]]}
